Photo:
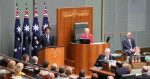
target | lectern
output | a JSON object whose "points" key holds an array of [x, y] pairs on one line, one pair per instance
{"points": [[52, 55], [83, 56]]}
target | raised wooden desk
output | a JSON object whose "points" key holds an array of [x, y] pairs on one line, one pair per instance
{"points": [[102, 72], [52, 55], [84, 56]]}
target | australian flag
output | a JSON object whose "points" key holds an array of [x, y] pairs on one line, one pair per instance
{"points": [[45, 18], [17, 43], [26, 33], [36, 33]]}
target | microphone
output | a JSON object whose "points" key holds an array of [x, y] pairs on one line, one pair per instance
{"points": [[108, 39]]}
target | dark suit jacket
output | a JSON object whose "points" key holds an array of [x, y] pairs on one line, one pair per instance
{"points": [[121, 71], [142, 77], [101, 58], [44, 42], [126, 46]]}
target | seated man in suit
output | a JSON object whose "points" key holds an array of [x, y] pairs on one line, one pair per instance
{"points": [[128, 44], [120, 70], [87, 35], [144, 74], [103, 57], [47, 39]]}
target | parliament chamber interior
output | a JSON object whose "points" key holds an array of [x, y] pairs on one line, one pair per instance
{"points": [[74, 39]]}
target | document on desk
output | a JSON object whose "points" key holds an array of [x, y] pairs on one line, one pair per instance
{"points": [[99, 43]]}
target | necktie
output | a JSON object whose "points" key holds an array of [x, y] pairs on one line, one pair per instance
{"points": [[130, 43]]}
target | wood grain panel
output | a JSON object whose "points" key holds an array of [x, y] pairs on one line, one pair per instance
{"points": [[85, 55], [66, 17], [52, 55]]}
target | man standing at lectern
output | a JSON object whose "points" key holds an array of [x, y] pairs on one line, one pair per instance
{"points": [[86, 35], [47, 39]]}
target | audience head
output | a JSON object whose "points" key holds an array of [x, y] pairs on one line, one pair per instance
{"points": [[107, 51], [110, 77], [82, 73], [45, 64], [137, 49], [94, 76], [25, 58], [129, 35], [35, 59], [47, 30], [4, 62], [54, 67], [68, 71], [86, 30], [11, 64], [119, 64], [61, 69], [19, 67], [144, 70]]}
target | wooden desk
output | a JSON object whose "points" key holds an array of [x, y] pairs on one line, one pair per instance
{"points": [[102, 72], [84, 56], [52, 55]]}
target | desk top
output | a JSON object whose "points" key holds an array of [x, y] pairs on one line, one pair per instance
{"points": [[99, 71]]}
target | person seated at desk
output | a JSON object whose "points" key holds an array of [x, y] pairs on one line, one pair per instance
{"points": [[86, 35], [44, 71], [11, 65], [104, 57], [128, 44], [81, 74], [25, 59], [144, 74], [35, 61], [120, 70], [137, 51], [19, 68], [47, 39]]}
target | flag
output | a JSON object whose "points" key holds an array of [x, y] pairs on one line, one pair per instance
{"points": [[17, 42], [26, 33], [45, 19], [36, 33]]}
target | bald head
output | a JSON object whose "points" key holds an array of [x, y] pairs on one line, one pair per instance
{"points": [[107, 51], [110, 77], [129, 35]]}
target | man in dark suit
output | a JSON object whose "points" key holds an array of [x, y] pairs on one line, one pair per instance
{"points": [[104, 57], [47, 39], [128, 44], [120, 70], [144, 74]]}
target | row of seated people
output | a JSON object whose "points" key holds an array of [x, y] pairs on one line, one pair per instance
{"points": [[40, 71], [120, 69]]}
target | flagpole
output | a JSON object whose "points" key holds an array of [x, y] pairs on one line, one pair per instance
{"points": [[33, 6], [102, 22]]}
